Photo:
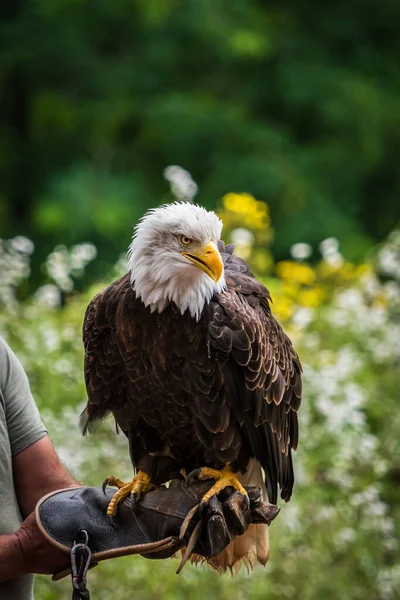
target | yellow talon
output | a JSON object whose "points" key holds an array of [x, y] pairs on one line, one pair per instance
{"points": [[224, 478], [139, 485]]}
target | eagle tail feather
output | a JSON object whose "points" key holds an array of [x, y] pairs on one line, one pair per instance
{"points": [[87, 420], [84, 422]]}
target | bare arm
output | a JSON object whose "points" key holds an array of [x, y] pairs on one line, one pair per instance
{"points": [[11, 558], [27, 551], [38, 471]]}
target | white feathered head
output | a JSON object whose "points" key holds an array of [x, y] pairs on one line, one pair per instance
{"points": [[174, 257]]}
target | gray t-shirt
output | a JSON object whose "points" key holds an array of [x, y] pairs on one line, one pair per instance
{"points": [[20, 427]]}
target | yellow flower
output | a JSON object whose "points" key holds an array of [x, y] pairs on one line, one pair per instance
{"points": [[291, 288], [363, 269], [261, 261], [283, 308], [293, 271], [381, 301], [245, 209], [325, 270], [311, 298], [345, 272]]}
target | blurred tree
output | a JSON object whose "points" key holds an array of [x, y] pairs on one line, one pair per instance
{"points": [[295, 103]]}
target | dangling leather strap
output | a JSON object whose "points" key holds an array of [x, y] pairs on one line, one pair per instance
{"points": [[194, 538]]}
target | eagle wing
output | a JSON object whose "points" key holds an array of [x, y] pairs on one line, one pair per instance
{"points": [[262, 372], [104, 369]]}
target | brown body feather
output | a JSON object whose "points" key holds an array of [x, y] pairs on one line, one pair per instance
{"points": [[221, 390]]}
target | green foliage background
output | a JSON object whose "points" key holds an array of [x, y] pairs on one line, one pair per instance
{"points": [[295, 103]]}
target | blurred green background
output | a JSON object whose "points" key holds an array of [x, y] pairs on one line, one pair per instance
{"points": [[283, 116], [295, 103]]}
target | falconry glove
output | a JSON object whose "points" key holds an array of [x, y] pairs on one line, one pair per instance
{"points": [[166, 520]]}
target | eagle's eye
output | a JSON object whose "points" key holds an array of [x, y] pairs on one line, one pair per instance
{"points": [[185, 240]]}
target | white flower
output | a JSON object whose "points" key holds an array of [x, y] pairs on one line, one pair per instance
{"points": [[326, 513], [63, 366], [329, 246], [50, 336], [334, 259], [244, 239], [22, 244], [242, 236], [345, 536], [367, 497], [370, 284], [353, 395], [48, 295], [311, 341], [390, 544], [351, 298], [300, 251], [58, 267], [392, 290], [303, 317], [81, 255], [388, 261], [368, 445], [385, 525], [380, 467], [182, 185]]}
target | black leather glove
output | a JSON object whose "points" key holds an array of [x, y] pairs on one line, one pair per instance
{"points": [[167, 519]]}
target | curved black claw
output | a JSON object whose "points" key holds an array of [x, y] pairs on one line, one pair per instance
{"points": [[112, 521], [134, 503], [193, 475], [246, 499], [104, 485], [202, 508], [213, 505]]}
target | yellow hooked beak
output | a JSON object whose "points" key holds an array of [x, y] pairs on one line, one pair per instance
{"points": [[208, 259]]}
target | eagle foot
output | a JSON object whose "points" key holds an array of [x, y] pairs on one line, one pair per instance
{"points": [[139, 485], [224, 478]]}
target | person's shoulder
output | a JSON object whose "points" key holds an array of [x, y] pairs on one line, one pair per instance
{"points": [[5, 351], [9, 363], [4, 363], [3, 368], [6, 354]]}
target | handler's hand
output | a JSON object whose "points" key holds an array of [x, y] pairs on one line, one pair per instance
{"points": [[38, 555]]}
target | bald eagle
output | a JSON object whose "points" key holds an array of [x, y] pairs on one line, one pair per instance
{"points": [[185, 353]]}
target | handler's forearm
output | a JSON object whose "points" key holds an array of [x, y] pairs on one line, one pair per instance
{"points": [[12, 563], [27, 551], [38, 471]]}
